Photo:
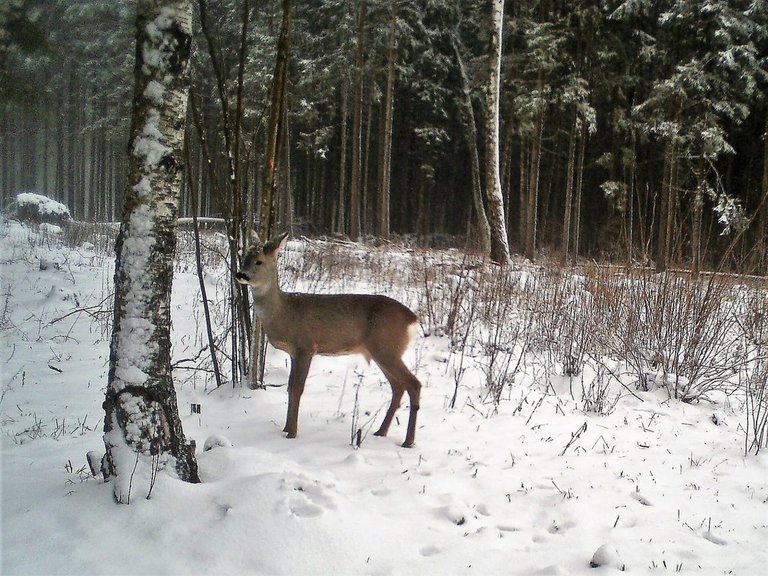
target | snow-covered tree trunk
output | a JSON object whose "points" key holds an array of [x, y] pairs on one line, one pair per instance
{"points": [[142, 430], [494, 198]]}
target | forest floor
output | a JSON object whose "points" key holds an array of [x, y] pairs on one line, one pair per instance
{"points": [[533, 484]]}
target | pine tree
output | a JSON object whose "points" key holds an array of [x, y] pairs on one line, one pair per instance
{"points": [[710, 70]]}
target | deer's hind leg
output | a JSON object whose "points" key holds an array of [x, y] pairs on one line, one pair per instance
{"points": [[397, 393], [401, 379]]}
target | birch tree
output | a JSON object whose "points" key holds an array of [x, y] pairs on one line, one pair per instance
{"points": [[493, 196], [142, 429]]}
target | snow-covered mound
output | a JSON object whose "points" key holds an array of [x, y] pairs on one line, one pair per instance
{"points": [[31, 207]]}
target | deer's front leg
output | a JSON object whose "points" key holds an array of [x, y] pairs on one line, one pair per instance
{"points": [[300, 362]]}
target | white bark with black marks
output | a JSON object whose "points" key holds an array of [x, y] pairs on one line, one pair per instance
{"points": [[142, 430], [493, 195]]}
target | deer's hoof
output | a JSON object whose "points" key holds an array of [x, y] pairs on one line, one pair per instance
{"points": [[408, 444], [291, 435], [379, 433]]}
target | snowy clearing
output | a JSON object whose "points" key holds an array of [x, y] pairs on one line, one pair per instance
{"points": [[533, 485]]}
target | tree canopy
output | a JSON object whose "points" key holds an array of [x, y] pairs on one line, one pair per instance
{"points": [[629, 130]]}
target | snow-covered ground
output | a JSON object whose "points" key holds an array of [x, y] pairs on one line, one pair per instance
{"points": [[535, 486]]}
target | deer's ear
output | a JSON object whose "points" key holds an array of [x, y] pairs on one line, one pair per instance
{"points": [[274, 246], [253, 237], [280, 241]]}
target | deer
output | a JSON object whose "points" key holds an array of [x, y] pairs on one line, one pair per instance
{"points": [[303, 325]]}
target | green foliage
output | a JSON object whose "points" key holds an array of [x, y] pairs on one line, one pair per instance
{"points": [[633, 79], [22, 42]]}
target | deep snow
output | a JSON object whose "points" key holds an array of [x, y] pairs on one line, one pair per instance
{"points": [[657, 486]]}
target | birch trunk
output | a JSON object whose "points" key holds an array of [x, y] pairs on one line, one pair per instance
{"points": [[494, 199], [142, 429]]}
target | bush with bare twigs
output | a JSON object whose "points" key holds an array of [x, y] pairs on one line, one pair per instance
{"points": [[603, 332]]}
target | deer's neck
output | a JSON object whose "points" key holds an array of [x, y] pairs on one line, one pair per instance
{"points": [[268, 302]]}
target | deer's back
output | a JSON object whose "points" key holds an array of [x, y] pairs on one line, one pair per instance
{"points": [[372, 325]]}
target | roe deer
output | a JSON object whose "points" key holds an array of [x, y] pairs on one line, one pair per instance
{"points": [[303, 325]]}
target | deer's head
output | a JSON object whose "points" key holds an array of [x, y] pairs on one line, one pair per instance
{"points": [[259, 267]]}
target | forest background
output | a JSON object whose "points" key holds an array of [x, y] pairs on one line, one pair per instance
{"points": [[632, 132]]}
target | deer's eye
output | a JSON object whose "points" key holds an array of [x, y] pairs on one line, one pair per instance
{"points": [[259, 262]]}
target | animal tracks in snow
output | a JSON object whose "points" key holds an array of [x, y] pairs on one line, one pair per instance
{"points": [[428, 551], [306, 498], [640, 498]]}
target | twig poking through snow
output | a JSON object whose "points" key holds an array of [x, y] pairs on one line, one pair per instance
{"points": [[574, 436]]}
